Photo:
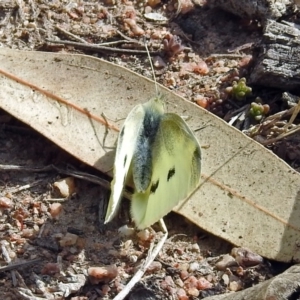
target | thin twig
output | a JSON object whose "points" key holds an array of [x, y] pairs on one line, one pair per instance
{"points": [[294, 115], [8, 260], [100, 48], [113, 43], [226, 55], [19, 265], [25, 168], [75, 37], [129, 39], [56, 199], [20, 279], [26, 186], [240, 48], [150, 258], [281, 136]]}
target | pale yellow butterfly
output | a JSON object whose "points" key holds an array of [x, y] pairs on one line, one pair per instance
{"points": [[159, 153]]}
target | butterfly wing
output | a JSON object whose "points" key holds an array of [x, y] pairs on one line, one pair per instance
{"points": [[126, 145], [176, 166]]}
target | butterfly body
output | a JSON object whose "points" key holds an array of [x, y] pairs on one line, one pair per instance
{"points": [[158, 152]]}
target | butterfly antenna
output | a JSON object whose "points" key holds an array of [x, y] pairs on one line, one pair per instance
{"points": [[154, 78]]}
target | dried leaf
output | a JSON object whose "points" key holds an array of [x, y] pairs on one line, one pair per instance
{"points": [[248, 196]]}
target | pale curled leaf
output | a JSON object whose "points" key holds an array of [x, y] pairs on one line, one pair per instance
{"points": [[248, 196]]}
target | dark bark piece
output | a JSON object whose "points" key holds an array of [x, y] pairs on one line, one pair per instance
{"points": [[254, 9], [283, 286], [278, 62]]}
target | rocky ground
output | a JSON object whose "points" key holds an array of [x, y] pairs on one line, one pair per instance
{"points": [[199, 53]]}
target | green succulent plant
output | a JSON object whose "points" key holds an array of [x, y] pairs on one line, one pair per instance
{"points": [[240, 90], [258, 110]]}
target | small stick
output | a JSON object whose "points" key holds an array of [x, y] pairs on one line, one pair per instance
{"points": [[150, 258], [129, 39], [19, 265], [56, 199], [8, 260], [24, 168], [26, 186], [75, 37], [113, 43], [281, 136], [294, 115], [20, 279], [226, 55], [100, 48]]}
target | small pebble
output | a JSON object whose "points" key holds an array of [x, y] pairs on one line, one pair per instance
{"points": [[235, 286], [246, 257], [102, 274], [55, 210], [86, 20], [193, 292], [191, 282], [28, 233], [155, 266], [203, 284], [66, 186], [133, 259], [195, 248], [5, 202], [50, 269], [225, 279], [179, 282], [181, 294], [184, 266], [184, 275], [226, 262], [194, 266], [144, 235], [158, 62], [69, 239]]}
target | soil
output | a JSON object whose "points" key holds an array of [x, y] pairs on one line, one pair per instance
{"points": [[198, 52]]}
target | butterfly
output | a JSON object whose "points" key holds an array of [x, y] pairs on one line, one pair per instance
{"points": [[161, 156]]}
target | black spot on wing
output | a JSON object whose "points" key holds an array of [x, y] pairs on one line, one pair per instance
{"points": [[171, 173], [196, 166], [197, 153], [154, 187], [125, 159]]}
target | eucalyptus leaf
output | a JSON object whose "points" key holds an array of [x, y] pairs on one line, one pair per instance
{"points": [[248, 196]]}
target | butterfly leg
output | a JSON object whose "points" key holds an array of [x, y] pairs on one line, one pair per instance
{"points": [[150, 258]]}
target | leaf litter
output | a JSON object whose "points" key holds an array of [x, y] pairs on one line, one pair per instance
{"points": [[66, 236]]}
